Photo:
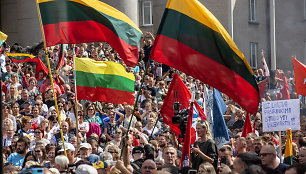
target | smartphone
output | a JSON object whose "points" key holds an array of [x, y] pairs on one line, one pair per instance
{"points": [[192, 171]]}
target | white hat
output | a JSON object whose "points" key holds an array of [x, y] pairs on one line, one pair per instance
{"points": [[85, 145], [86, 169], [68, 146]]}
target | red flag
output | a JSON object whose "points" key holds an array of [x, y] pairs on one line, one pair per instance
{"points": [[61, 57], [187, 139], [299, 76], [3, 86], [247, 127], [177, 92], [262, 89], [198, 114], [40, 66], [284, 89]]}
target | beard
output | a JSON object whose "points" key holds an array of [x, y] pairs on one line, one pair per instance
{"points": [[20, 151], [257, 149]]}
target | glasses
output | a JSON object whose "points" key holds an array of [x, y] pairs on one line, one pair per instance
{"points": [[37, 151], [265, 154], [36, 132], [90, 109], [118, 132], [30, 122], [112, 152], [110, 108], [60, 106]]}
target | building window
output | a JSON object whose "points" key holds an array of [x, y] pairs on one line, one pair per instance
{"points": [[305, 9], [252, 15], [147, 18], [253, 54]]}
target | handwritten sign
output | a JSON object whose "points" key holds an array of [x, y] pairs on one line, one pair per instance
{"points": [[281, 115]]}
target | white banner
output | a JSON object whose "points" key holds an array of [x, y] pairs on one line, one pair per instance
{"points": [[281, 115]]}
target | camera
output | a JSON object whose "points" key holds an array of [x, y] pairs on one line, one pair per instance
{"points": [[180, 117]]}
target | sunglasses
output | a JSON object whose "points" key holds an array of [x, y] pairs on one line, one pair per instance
{"points": [[37, 151], [118, 132], [37, 132]]}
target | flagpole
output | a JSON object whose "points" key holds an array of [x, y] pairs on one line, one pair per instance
{"points": [[142, 80], [76, 106], [280, 146], [155, 124], [50, 74]]}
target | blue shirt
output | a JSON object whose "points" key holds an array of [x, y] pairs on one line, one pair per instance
{"points": [[16, 159]]}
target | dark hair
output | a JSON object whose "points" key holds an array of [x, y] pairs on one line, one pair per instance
{"points": [[24, 139], [299, 168], [30, 153], [249, 158], [172, 169]]}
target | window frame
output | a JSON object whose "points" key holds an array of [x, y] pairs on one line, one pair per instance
{"points": [[254, 50], [145, 5]]}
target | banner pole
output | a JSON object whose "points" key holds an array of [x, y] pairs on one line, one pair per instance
{"points": [[50, 74], [280, 146], [76, 106]]}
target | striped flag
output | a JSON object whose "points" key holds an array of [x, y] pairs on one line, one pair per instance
{"points": [[192, 40], [83, 21], [264, 65], [288, 157], [22, 57], [3, 38], [104, 81]]}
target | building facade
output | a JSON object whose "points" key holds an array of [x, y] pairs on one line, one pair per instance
{"points": [[247, 21]]}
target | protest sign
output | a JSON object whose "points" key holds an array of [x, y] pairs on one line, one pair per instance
{"points": [[281, 115]]}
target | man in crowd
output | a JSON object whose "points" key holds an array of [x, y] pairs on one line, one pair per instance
{"points": [[17, 158], [268, 159]]}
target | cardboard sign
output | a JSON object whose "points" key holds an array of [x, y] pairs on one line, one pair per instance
{"points": [[281, 115]]}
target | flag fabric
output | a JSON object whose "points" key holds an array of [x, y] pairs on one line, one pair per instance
{"points": [[177, 92], [83, 21], [61, 57], [198, 114], [299, 76], [264, 65], [22, 57], [192, 40], [247, 127], [262, 89], [288, 157], [187, 139], [104, 81], [209, 108], [3, 38], [220, 132], [283, 91]]}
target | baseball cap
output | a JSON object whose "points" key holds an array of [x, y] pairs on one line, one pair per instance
{"points": [[100, 165], [68, 146], [85, 145], [137, 149]]}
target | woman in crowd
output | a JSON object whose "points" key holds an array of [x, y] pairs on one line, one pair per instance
{"points": [[46, 127], [30, 156], [39, 136], [33, 90], [26, 130], [206, 168], [83, 125], [15, 82], [91, 116], [128, 113], [70, 110], [114, 150], [148, 129], [40, 152], [6, 113], [7, 124], [12, 94], [37, 118], [111, 126], [50, 151], [8, 132], [204, 150]]}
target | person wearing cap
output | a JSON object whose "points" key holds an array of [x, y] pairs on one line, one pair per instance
{"points": [[39, 137], [70, 150], [86, 153], [101, 166], [86, 169], [137, 154]]}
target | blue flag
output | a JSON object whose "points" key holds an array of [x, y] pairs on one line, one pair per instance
{"points": [[219, 127]]}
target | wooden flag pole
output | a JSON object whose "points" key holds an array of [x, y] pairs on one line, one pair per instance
{"points": [[50, 74], [76, 104], [280, 146]]}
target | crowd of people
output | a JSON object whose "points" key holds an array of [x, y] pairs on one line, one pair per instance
{"points": [[118, 138]]}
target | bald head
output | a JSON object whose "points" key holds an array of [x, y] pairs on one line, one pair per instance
{"points": [[268, 149], [148, 167]]}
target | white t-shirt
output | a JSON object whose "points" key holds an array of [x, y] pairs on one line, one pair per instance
{"points": [[38, 120]]}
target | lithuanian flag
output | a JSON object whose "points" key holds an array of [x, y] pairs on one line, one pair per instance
{"points": [[83, 21], [103, 81], [288, 157], [3, 37], [20, 57], [192, 40]]}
